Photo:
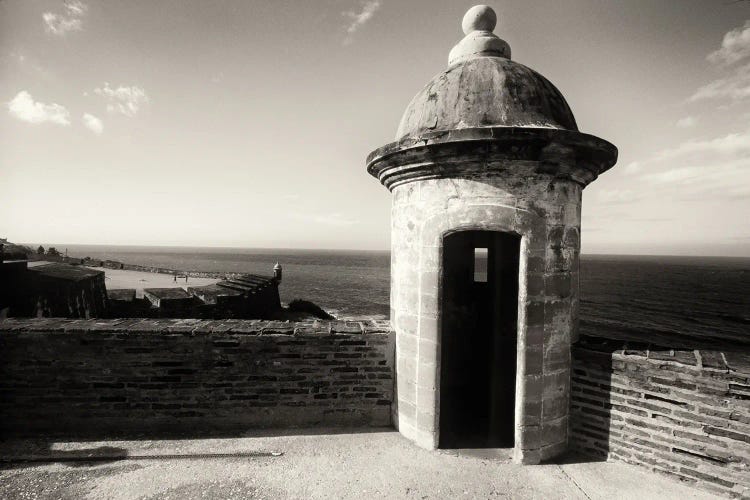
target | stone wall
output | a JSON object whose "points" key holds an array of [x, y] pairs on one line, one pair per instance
{"points": [[142, 375], [681, 412], [59, 290]]}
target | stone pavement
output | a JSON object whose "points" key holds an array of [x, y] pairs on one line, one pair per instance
{"points": [[308, 464]]}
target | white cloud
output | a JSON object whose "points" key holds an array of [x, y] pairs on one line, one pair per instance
{"points": [[694, 150], [359, 19], [708, 181], [734, 47], [93, 123], [616, 196], [632, 168], [713, 169], [76, 8], [26, 109], [735, 86], [686, 122], [124, 100], [71, 19]]}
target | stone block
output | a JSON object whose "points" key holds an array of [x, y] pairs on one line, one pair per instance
{"points": [[426, 421], [407, 411], [531, 360], [533, 336], [556, 357], [526, 457], [426, 439], [407, 345], [556, 383], [536, 263], [558, 285], [406, 324], [557, 315], [428, 350], [535, 285], [406, 367], [554, 431], [553, 450], [428, 381], [555, 407], [534, 313], [560, 259], [572, 237], [429, 306], [530, 412], [428, 328], [532, 386], [528, 437], [556, 236]]}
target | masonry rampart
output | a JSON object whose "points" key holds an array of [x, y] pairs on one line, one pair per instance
{"points": [[142, 375], [678, 411]]}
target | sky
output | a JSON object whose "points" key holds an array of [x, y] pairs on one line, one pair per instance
{"points": [[246, 124]]}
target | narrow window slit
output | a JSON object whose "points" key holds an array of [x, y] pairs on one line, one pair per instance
{"points": [[480, 265]]}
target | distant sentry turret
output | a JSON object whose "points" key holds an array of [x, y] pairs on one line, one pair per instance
{"points": [[277, 272]]}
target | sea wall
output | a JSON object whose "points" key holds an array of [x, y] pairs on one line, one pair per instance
{"points": [[678, 411], [115, 264], [144, 375]]}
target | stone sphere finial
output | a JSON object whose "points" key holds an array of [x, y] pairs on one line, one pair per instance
{"points": [[478, 23], [479, 18]]}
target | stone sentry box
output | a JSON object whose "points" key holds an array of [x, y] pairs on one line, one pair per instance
{"points": [[486, 175]]}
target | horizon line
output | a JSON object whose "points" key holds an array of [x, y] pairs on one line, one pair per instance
{"points": [[387, 250]]}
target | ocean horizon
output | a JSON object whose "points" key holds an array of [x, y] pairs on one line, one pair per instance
{"points": [[649, 296]]}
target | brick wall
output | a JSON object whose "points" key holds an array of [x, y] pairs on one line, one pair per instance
{"points": [[681, 412], [99, 376]]}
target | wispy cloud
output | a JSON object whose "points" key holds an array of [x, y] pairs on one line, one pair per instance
{"points": [[735, 86], [709, 169], [24, 63], [357, 19], [737, 143], [633, 167], [23, 107], [71, 19], [734, 47], [93, 123], [123, 100], [686, 122], [617, 196]]}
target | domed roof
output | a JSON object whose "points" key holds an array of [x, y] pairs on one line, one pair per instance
{"points": [[482, 87]]}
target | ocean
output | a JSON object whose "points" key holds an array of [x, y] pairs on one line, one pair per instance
{"points": [[652, 297]]}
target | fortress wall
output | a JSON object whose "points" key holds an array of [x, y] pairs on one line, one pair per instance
{"points": [[681, 412], [105, 377]]}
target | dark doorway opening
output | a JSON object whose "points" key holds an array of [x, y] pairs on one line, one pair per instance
{"points": [[478, 339]]}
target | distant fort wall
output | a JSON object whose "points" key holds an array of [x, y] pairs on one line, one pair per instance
{"points": [[114, 264], [53, 290], [109, 377], [678, 411]]}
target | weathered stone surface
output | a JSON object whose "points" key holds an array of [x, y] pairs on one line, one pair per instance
{"points": [[662, 408], [140, 374]]}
